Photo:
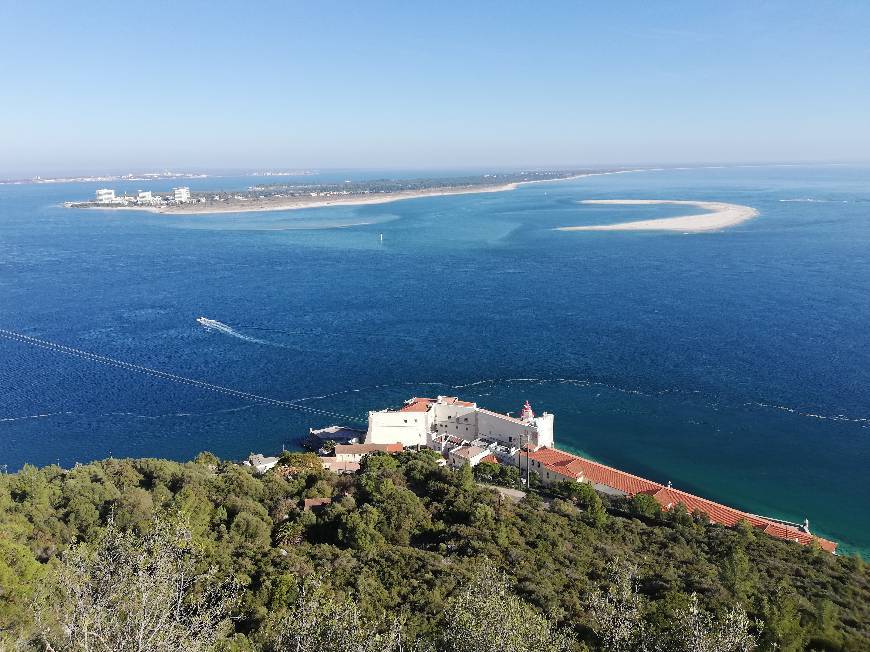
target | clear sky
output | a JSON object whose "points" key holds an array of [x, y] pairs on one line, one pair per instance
{"points": [[120, 86]]}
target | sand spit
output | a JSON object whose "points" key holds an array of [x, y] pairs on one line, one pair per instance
{"points": [[298, 203], [720, 216]]}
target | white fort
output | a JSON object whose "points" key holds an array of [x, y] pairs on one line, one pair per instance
{"points": [[442, 423]]}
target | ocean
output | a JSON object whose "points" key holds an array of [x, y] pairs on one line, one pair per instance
{"points": [[734, 364]]}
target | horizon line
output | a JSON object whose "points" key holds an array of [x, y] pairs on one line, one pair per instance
{"points": [[289, 170]]}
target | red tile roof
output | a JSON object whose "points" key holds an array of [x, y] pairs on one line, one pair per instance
{"points": [[467, 451], [332, 464], [668, 497], [417, 405], [558, 462], [364, 449], [453, 400], [624, 482], [490, 458], [314, 503]]}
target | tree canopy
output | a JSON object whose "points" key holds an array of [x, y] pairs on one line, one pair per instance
{"points": [[400, 553]]}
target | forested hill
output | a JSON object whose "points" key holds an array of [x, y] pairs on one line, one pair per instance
{"points": [[150, 554]]}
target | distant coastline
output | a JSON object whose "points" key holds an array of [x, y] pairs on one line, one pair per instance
{"points": [[721, 215], [298, 203], [205, 206]]}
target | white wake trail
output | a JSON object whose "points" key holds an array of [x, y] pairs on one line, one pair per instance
{"points": [[219, 327]]}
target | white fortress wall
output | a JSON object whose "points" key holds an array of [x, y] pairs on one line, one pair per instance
{"points": [[544, 425], [407, 428], [466, 421], [506, 430], [459, 420]]}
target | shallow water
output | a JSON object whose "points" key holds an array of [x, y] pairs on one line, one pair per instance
{"points": [[735, 364]]}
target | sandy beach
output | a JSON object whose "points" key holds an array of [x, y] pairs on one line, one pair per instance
{"points": [[720, 216], [299, 203]]}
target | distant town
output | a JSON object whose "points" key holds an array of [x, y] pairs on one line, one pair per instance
{"points": [[106, 197], [287, 196]]}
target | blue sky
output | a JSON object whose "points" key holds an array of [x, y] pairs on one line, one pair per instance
{"points": [[101, 86]]}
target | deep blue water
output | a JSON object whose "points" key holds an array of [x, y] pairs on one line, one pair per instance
{"points": [[735, 364]]}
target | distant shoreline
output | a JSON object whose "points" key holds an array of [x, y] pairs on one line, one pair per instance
{"points": [[721, 216], [296, 203], [300, 203]]}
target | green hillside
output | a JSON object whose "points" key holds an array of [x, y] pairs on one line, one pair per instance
{"points": [[407, 555]]}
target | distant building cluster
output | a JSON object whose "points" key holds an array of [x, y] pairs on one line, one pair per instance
{"points": [[107, 196]]}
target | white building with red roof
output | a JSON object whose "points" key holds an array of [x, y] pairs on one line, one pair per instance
{"points": [[355, 452], [467, 454], [420, 420]]}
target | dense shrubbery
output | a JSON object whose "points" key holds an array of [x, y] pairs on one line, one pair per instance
{"points": [[396, 561]]}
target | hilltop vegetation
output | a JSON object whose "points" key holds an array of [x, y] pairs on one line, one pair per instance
{"points": [[407, 555]]}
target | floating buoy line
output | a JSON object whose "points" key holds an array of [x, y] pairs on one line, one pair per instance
{"points": [[165, 375]]}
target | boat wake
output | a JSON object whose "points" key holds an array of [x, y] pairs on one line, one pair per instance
{"points": [[220, 327]]}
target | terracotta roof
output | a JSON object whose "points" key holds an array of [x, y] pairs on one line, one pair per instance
{"points": [[448, 439], [453, 400], [313, 503], [490, 458], [332, 464], [668, 497], [467, 451], [417, 405], [624, 482], [558, 462], [364, 449]]}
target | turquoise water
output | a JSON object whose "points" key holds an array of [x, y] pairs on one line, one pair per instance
{"points": [[734, 364]]}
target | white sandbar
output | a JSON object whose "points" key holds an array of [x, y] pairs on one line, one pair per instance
{"points": [[721, 216]]}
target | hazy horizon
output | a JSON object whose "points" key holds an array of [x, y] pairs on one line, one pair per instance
{"points": [[97, 89], [76, 174]]}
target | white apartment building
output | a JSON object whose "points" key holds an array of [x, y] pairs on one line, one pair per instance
{"points": [[145, 197], [181, 195], [434, 422], [105, 196]]}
